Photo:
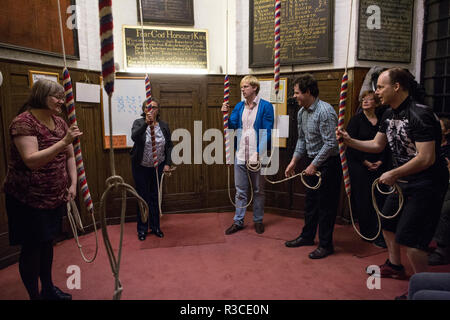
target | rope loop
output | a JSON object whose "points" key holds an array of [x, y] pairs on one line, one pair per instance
{"points": [[319, 182], [253, 167], [396, 188], [114, 181], [117, 182], [75, 222]]}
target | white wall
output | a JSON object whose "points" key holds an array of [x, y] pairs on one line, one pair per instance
{"points": [[211, 15]]}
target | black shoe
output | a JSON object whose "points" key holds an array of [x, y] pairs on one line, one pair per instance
{"points": [[380, 243], [440, 256], [299, 242], [402, 297], [141, 236], [55, 294], [158, 233], [320, 253], [234, 228], [259, 227]]}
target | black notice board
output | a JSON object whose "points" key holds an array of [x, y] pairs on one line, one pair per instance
{"points": [[165, 48], [306, 32], [177, 12], [385, 30]]}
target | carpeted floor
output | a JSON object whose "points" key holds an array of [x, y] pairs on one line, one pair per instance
{"points": [[197, 261]]}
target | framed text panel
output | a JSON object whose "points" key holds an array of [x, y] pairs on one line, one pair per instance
{"points": [[174, 12], [165, 48], [385, 30], [34, 76], [306, 32]]}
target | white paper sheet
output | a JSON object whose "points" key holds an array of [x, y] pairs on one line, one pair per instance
{"points": [[87, 92]]}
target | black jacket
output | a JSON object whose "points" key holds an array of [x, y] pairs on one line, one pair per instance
{"points": [[138, 135]]}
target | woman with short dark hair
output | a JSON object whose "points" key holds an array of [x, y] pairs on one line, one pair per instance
{"points": [[144, 173]]}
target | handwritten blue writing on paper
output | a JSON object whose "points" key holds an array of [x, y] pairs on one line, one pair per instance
{"points": [[129, 104]]}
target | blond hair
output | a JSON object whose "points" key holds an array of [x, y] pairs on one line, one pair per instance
{"points": [[253, 81]]}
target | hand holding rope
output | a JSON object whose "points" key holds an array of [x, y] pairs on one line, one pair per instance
{"points": [[395, 188]]}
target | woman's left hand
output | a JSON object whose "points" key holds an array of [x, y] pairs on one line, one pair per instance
{"points": [[71, 192], [166, 168]]}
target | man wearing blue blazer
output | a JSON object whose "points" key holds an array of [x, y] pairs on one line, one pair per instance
{"points": [[253, 118]]}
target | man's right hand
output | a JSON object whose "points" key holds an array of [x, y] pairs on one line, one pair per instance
{"points": [[225, 107]]}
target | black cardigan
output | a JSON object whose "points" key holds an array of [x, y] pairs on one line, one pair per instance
{"points": [[138, 135]]}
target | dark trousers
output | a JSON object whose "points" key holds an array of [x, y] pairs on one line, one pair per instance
{"points": [[361, 183], [147, 188], [321, 204]]}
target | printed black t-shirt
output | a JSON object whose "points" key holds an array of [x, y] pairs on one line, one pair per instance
{"points": [[406, 125]]}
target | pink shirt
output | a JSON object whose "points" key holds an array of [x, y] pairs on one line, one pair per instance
{"points": [[248, 137], [43, 188]]}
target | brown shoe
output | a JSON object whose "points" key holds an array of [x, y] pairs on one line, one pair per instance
{"points": [[234, 228], [259, 227]]}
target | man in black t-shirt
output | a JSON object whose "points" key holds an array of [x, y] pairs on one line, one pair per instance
{"points": [[413, 134]]}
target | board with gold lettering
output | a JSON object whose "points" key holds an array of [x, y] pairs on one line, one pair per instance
{"points": [[385, 30], [174, 12], [306, 32], [165, 49]]}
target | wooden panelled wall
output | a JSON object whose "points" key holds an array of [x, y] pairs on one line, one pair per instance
{"points": [[184, 99]]}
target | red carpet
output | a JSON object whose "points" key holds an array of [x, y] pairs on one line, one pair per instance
{"points": [[196, 261]]}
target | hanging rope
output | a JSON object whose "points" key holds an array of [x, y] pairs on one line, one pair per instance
{"points": [[114, 182], [277, 62], [81, 174], [149, 108], [277, 46], [342, 147], [226, 116]]}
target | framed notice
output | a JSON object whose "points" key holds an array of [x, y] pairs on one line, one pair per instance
{"points": [[34, 76], [306, 32], [385, 30], [166, 49], [174, 12]]}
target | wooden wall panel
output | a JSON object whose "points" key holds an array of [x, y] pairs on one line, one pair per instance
{"points": [[34, 26]]}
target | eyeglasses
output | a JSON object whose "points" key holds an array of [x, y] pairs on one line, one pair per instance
{"points": [[367, 99], [58, 97]]}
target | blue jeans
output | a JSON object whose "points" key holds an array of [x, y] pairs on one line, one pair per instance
{"points": [[242, 185], [146, 187], [429, 286]]}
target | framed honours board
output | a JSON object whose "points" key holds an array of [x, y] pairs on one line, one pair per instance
{"points": [[385, 30], [306, 32], [173, 12], [165, 48]]}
